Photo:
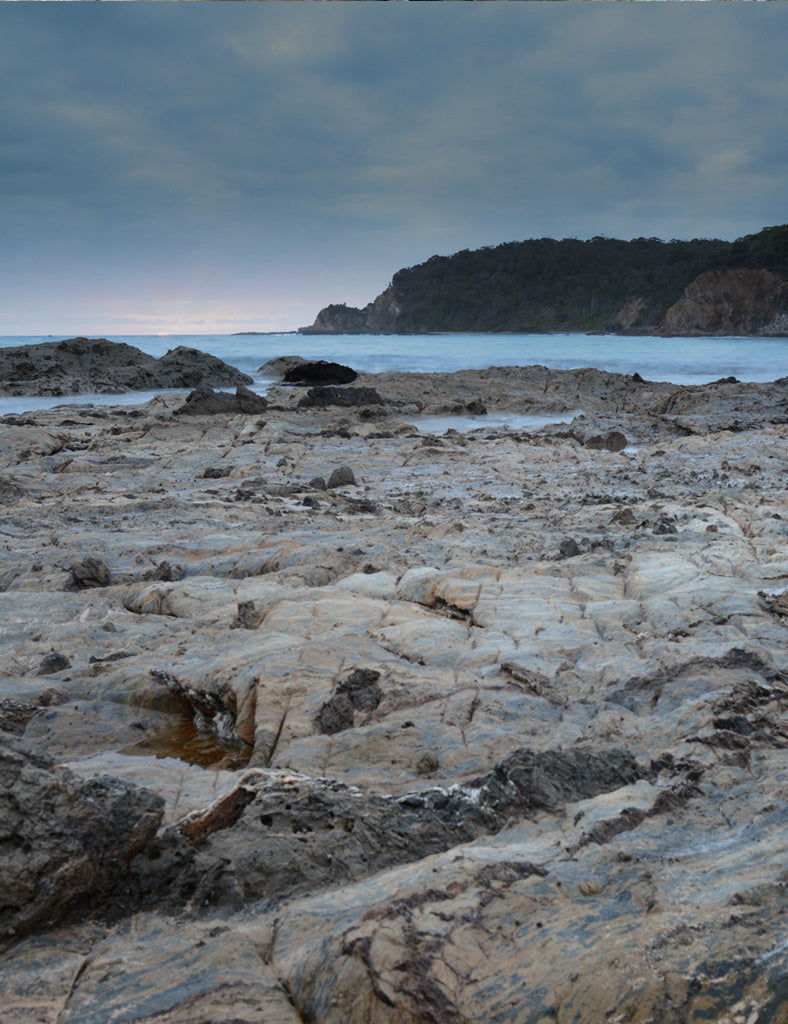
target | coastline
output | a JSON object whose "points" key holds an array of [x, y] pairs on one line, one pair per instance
{"points": [[505, 703]]}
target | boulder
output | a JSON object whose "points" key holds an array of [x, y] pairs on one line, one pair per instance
{"points": [[90, 571], [341, 477], [96, 364], [319, 372], [204, 401]]}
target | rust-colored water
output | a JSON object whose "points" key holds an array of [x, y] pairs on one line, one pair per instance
{"points": [[182, 739]]}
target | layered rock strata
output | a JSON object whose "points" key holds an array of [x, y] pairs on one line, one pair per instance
{"points": [[495, 729]]}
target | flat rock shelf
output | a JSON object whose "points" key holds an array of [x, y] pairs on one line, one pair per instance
{"points": [[310, 715]]}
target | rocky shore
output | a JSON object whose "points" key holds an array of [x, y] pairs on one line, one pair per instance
{"points": [[311, 715]]}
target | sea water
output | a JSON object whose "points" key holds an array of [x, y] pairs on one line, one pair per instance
{"points": [[677, 360]]}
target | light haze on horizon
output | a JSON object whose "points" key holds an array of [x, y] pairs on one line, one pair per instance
{"points": [[211, 168]]}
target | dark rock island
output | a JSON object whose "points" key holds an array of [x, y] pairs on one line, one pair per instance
{"points": [[646, 286]]}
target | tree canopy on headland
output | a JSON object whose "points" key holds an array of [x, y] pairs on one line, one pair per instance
{"points": [[544, 285]]}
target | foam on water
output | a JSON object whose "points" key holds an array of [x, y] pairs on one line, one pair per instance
{"points": [[492, 420]]}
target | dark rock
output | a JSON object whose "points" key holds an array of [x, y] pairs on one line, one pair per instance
{"points": [[612, 441], [319, 372], [184, 367], [291, 836], [96, 364], [249, 616], [358, 691], [216, 472], [665, 525], [204, 401], [52, 663], [568, 548], [15, 715], [476, 407], [341, 477], [319, 398], [317, 483], [362, 689], [66, 840], [167, 572], [427, 765], [279, 366], [335, 715], [90, 571]]}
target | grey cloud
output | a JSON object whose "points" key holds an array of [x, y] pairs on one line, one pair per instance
{"points": [[306, 145]]}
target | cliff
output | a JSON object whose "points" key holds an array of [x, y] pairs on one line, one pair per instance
{"points": [[730, 302], [644, 286]]}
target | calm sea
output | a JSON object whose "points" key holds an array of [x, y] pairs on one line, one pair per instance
{"points": [[678, 360]]}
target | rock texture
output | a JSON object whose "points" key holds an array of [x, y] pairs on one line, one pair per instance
{"points": [[97, 365], [729, 302], [62, 838], [494, 729]]}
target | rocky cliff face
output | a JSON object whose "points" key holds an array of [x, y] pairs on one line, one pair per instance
{"points": [[730, 302], [377, 317]]}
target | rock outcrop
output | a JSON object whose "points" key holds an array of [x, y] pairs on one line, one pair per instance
{"points": [[96, 365], [729, 302], [343, 721], [63, 840], [381, 316]]}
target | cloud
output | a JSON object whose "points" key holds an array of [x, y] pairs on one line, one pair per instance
{"points": [[299, 153]]}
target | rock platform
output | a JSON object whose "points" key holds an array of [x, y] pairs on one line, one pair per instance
{"points": [[335, 720]]}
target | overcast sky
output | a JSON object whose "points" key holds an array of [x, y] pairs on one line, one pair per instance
{"points": [[198, 167]]}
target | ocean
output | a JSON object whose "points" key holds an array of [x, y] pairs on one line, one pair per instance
{"points": [[677, 360]]}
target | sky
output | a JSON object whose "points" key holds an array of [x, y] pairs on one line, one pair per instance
{"points": [[212, 168]]}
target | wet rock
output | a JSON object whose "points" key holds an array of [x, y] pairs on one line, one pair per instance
{"points": [[66, 841], [317, 483], [90, 571], [343, 476], [476, 407], [319, 372]]}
